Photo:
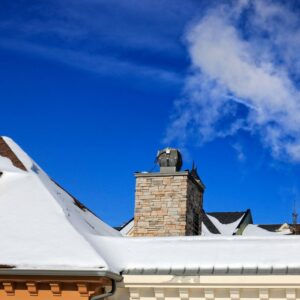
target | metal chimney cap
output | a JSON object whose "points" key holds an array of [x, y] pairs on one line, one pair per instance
{"points": [[169, 160]]}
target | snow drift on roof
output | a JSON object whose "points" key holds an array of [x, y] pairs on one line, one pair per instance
{"points": [[41, 225], [185, 255]]}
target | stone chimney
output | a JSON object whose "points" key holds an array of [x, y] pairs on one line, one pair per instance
{"points": [[168, 202]]}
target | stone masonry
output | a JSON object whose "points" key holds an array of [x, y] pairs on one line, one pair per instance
{"points": [[167, 204]]}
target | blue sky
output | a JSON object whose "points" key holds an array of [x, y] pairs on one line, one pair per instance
{"points": [[92, 89]]}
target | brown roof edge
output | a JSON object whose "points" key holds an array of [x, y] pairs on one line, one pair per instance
{"points": [[3, 266], [59, 274], [6, 151]]}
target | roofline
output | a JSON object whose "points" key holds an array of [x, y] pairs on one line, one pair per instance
{"points": [[278, 224], [228, 212], [245, 213], [216, 271], [45, 272]]}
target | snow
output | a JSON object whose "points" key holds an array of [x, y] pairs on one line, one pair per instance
{"points": [[42, 228], [254, 230], [207, 253], [125, 230], [7, 165], [22, 156], [225, 229], [205, 231]]}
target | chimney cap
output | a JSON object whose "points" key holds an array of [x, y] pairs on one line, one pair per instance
{"points": [[169, 160]]}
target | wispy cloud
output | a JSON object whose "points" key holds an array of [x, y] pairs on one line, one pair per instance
{"points": [[239, 151], [99, 36], [244, 76], [96, 63]]}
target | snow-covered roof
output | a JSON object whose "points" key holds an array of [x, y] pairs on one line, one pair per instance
{"points": [[42, 227], [204, 255], [222, 223], [225, 229], [257, 230], [127, 227]]}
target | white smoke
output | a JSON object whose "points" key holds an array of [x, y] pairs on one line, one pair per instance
{"points": [[244, 74]]}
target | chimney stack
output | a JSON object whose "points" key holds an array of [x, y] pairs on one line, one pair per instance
{"points": [[168, 202]]}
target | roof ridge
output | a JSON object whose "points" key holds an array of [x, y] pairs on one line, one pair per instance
{"points": [[7, 152], [226, 212]]}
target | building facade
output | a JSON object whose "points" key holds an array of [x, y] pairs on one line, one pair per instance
{"points": [[170, 203], [52, 246], [221, 287]]}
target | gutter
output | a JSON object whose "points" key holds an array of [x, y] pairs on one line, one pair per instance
{"points": [[45, 272], [255, 270], [107, 294]]}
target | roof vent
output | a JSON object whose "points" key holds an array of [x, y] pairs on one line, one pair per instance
{"points": [[169, 160]]}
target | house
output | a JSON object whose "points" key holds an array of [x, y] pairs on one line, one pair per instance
{"points": [[170, 203], [46, 247], [225, 223], [54, 246]]}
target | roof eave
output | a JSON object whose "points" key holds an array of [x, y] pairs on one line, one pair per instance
{"points": [[215, 271], [47, 272]]}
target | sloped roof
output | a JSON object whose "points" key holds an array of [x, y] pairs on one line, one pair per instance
{"points": [[41, 225], [6, 151], [227, 217], [224, 223], [205, 255], [42, 228], [258, 230], [208, 225], [270, 227]]}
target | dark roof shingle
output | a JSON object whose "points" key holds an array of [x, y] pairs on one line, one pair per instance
{"points": [[227, 217]]}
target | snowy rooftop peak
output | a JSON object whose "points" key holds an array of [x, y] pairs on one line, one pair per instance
{"points": [[9, 160], [40, 216]]}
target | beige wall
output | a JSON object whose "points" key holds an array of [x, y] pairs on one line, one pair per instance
{"points": [[144, 287]]}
